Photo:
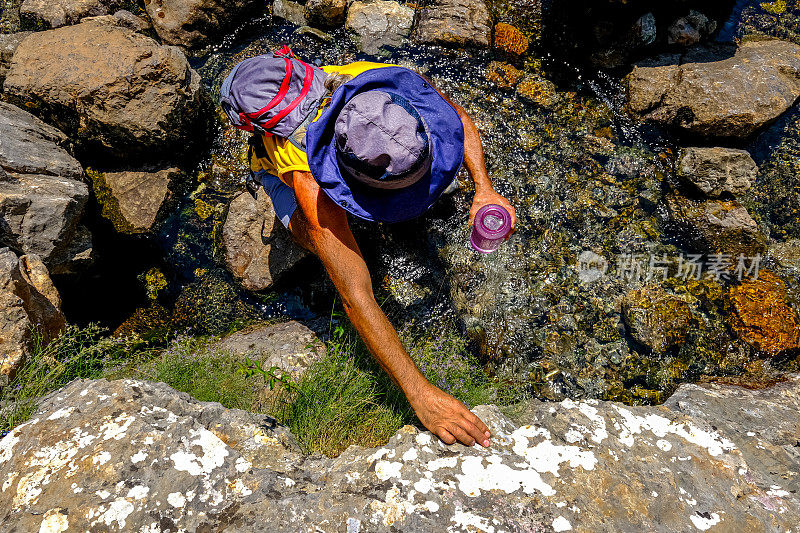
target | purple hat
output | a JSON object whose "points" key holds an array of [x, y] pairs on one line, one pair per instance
{"points": [[387, 146]]}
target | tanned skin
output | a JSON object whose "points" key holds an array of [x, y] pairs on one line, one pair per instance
{"points": [[321, 226]]}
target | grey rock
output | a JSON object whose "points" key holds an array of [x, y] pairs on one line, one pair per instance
{"points": [[289, 11], [290, 345], [715, 226], [134, 200], [56, 13], [730, 97], [258, 249], [786, 254], [42, 197], [645, 29], [126, 19], [326, 13], [110, 88], [8, 45], [131, 455], [455, 22], [193, 23], [28, 299], [690, 29], [717, 170], [378, 24], [315, 33]]}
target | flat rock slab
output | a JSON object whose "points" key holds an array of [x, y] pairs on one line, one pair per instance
{"points": [[110, 88], [131, 455], [731, 97]]}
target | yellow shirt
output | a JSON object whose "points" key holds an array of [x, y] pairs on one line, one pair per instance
{"points": [[282, 155]]}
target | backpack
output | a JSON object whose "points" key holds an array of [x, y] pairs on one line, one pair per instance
{"points": [[273, 94]]}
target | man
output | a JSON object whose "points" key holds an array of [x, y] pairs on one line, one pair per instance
{"points": [[383, 147]]}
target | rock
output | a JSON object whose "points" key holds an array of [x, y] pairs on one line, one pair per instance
{"points": [[455, 22], [757, 20], [42, 197], [258, 249], [786, 254], [326, 13], [124, 455], [378, 24], [29, 300], [721, 226], [289, 11], [538, 90], [510, 39], [760, 315], [715, 171], [8, 45], [503, 75], [111, 89], [56, 13], [126, 19], [730, 97], [133, 200], [289, 345], [690, 29], [193, 23], [9, 16], [656, 318]]}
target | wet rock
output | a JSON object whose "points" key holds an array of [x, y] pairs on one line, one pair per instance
{"points": [[455, 22], [760, 315], [776, 19], [503, 75], [690, 29], [56, 13], [9, 16], [42, 197], [110, 89], [211, 305], [510, 39], [133, 200], [289, 345], [326, 13], [715, 171], [126, 19], [258, 249], [193, 23], [786, 254], [127, 454], [721, 226], [380, 23], [730, 97], [538, 90], [289, 11], [28, 299], [8, 45], [656, 318]]}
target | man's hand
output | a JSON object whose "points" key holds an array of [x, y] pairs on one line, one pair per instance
{"points": [[491, 197], [448, 418]]}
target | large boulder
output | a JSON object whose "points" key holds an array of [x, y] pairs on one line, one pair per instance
{"points": [[378, 24], [715, 226], [714, 171], [455, 22], [55, 13], [136, 456], [731, 97], [110, 89], [192, 23], [258, 249], [134, 200], [28, 299], [42, 197]]}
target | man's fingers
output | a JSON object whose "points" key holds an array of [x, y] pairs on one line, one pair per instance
{"points": [[472, 417], [472, 429], [446, 437], [462, 436]]}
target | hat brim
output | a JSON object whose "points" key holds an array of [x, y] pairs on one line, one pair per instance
{"points": [[394, 205]]}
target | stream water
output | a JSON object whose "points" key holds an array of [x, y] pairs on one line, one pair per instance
{"points": [[584, 178]]}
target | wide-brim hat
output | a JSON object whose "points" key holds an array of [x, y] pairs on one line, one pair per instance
{"points": [[444, 134]]}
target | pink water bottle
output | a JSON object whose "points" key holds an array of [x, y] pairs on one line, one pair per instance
{"points": [[492, 224]]}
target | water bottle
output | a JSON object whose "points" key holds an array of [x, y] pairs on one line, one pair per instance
{"points": [[492, 225]]}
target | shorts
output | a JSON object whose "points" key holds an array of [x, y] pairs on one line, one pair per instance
{"points": [[285, 202], [283, 199]]}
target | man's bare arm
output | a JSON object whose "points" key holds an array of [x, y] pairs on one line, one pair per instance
{"points": [[322, 226]]}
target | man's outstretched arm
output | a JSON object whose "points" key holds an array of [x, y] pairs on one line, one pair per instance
{"points": [[321, 225]]}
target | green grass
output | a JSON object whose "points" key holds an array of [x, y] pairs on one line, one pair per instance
{"points": [[343, 399]]}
